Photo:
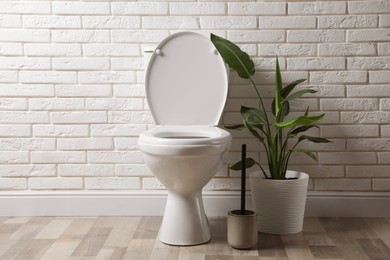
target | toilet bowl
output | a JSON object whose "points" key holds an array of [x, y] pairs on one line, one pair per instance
{"points": [[186, 88]]}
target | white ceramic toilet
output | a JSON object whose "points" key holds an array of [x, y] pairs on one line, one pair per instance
{"points": [[186, 88]]}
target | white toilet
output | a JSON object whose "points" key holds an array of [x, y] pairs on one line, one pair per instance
{"points": [[186, 88]]}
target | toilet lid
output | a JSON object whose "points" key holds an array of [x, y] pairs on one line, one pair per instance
{"points": [[186, 81]]}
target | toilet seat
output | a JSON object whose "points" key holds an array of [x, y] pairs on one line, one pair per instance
{"points": [[186, 81], [184, 140], [185, 135]]}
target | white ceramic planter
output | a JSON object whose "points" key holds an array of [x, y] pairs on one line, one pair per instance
{"points": [[279, 203]]}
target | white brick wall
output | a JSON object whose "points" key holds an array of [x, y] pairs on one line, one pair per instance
{"points": [[72, 98]]}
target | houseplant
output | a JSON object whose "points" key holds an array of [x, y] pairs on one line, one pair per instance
{"points": [[274, 131]]}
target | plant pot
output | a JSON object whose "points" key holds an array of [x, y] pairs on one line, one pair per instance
{"points": [[242, 229], [280, 203]]}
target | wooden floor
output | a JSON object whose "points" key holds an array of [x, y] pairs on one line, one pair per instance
{"points": [[55, 238]]}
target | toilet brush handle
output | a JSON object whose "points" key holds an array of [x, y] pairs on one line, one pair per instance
{"points": [[243, 177]]}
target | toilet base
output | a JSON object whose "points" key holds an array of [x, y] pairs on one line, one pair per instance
{"points": [[185, 222]]}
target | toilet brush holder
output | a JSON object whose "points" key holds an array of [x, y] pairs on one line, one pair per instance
{"points": [[242, 229], [242, 223]]}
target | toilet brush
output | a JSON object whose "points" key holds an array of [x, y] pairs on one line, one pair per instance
{"points": [[243, 178], [242, 223]]}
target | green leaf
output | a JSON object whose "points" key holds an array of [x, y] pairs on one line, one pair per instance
{"points": [[286, 108], [252, 130], [313, 139], [301, 120], [308, 153], [236, 127], [287, 90], [249, 162], [253, 116], [237, 59], [299, 94], [278, 90], [301, 129], [284, 93]]}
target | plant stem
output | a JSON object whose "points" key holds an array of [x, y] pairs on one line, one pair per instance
{"points": [[261, 102], [270, 153], [265, 175], [288, 156], [283, 152]]}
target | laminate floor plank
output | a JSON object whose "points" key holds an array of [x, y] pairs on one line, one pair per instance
{"points": [[296, 247], [118, 253], [13, 220], [313, 225], [248, 252], [218, 257], [381, 228], [78, 228], [325, 252], [357, 229], [136, 238], [22, 237], [60, 250], [123, 230], [148, 228], [271, 246], [245, 257], [350, 248], [164, 249], [27, 231], [10, 248], [92, 242], [342, 235], [139, 249], [34, 250], [218, 244], [375, 248], [54, 229], [9, 228], [192, 252], [3, 219], [318, 239], [111, 254]]}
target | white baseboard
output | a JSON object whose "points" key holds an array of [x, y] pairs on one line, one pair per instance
{"points": [[152, 203], [348, 204]]}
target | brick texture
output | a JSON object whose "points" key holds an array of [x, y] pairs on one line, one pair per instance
{"points": [[72, 97]]}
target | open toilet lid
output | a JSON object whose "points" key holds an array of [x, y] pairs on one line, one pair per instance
{"points": [[186, 81]]}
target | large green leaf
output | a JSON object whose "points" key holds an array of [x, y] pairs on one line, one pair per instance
{"points": [[252, 130], [313, 139], [249, 162], [254, 116], [286, 108], [301, 120], [278, 90], [286, 90], [299, 94], [300, 130], [284, 93], [237, 59], [308, 153]]}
